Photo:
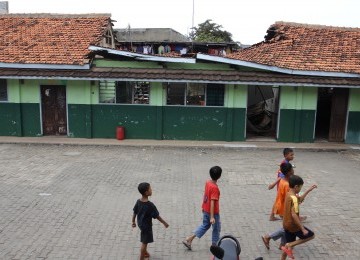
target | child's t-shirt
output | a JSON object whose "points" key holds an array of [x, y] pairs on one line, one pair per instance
{"points": [[280, 197], [212, 192], [291, 204], [145, 212]]}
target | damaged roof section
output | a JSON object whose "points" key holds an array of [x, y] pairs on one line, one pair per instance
{"points": [[50, 38], [306, 47]]}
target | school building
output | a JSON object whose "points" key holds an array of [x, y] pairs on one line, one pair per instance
{"points": [[64, 75]]}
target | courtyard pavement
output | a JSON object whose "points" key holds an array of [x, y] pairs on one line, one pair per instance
{"points": [[74, 201]]}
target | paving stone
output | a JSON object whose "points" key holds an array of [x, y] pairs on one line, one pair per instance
{"points": [[75, 202]]}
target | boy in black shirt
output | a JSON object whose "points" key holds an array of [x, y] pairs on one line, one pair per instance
{"points": [[145, 211]]}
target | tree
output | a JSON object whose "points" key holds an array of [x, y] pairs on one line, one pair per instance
{"points": [[210, 32]]}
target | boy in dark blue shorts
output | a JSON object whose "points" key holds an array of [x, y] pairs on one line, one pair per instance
{"points": [[145, 211], [291, 221]]}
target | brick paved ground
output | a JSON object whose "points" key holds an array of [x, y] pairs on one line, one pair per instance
{"points": [[75, 202]]}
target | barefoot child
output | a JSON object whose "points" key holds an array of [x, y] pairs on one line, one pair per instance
{"points": [[145, 211], [210, 209], [291, 222]]}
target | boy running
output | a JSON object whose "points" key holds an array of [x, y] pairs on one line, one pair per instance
{"points": [[291, 222]]}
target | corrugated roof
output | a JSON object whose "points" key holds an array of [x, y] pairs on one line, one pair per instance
{"points": [[306, 47], [50, 38]]}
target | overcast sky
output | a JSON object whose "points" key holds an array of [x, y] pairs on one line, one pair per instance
{"points": [[246, 20]]}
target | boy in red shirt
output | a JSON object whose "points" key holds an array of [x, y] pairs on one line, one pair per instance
{"points": [[210, 209]]}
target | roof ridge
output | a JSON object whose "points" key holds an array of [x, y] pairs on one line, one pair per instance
{"points": [[54, 15], [317, 26]]}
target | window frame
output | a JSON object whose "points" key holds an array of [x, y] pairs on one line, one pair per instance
{"points": [[187, 84], [6, 87], [132, 84]]}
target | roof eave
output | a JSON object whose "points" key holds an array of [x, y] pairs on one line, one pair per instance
{"points": [[44, 66]]}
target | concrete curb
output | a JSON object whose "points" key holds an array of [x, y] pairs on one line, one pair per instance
{"points": [[249, 145]]}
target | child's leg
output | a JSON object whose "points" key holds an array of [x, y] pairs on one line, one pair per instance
{"points": [[303, 239], [299, 242], [200, 230], [277, 234], [272, 214], [216, 228], [143, 251], [283, 256]]}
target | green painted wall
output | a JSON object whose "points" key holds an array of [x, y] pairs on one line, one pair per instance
{"points": [[31, 120], [30, 91], [297, 114], [238, 124], [10, 118], [126, 64], [157, 94], [296, 125], [13, 90], [354, 99], [78, 92], [203, 123], [298, 98], [353, 128], [152, 64], [139, 121], [236, 96], [79, 120]]}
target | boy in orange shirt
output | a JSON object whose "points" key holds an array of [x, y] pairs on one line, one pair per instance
{"points": [[288, 156], [287, 170], [210, 209]]}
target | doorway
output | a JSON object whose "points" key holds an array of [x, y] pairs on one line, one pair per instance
{"points": [[53, 107], [331, 114], [262, 112]]}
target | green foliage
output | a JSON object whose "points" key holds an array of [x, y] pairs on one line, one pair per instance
{"points": [[210, 32]]}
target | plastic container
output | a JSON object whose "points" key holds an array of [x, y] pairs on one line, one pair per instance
{"points": [[120, 132]]}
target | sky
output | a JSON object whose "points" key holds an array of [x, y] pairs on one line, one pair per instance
{"points": [[247, 20]]}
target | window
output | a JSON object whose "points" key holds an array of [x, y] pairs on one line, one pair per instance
{"points": [[195, 94], [3, 90], [124, 92]]}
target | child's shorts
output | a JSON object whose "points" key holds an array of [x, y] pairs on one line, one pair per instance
{"points": [[291, 237], [146, 236]]}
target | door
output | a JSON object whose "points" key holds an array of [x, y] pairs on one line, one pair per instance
{"points": [[53, 107], [339, 106]]}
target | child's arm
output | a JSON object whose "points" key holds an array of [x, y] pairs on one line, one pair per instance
{"points": [[272, 185], [302, 197], [163, 221], [133, 221], [212, 206]]}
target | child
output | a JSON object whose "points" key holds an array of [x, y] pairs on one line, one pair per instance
{"points": [[210, 209], [287, 170], [145, 211], [291, 222], [288, 156]]}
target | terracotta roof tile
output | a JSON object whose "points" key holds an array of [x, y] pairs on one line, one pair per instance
{"points": [[49, 38], [306, 47]]}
